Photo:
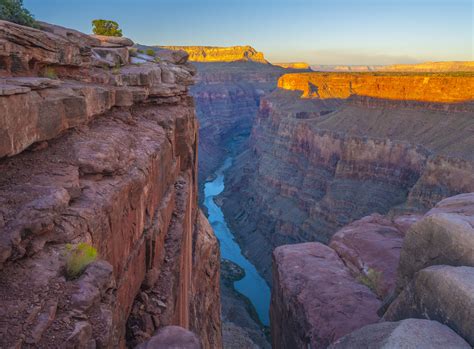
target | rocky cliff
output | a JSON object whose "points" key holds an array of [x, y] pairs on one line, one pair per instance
{"points": [[426, 67], [356, 144], [221, 54], [107, 158]]}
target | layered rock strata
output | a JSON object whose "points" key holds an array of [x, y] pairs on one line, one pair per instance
{"points": [[315, 164], [108, 158]]}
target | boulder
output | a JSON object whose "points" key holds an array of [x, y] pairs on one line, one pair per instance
{"points": [[114, 56], [445, 236], [409, 333], [370, 247], [112, 41], [442, 293], [315, 300], [172, 337]]}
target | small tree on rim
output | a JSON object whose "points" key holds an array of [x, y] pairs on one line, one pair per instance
{"points": [[106, 27], [13, 11]]}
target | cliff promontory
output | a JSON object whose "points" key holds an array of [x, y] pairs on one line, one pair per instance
{"points": [[97, 154], [221, 54]]}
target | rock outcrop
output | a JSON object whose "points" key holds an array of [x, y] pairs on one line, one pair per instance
{"points": [[106, 158], [318, 289], [316, 164], [172, 337], [410, 333], [221, 54]]}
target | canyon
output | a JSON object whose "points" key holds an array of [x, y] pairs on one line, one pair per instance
{"points": [[204, 176]]}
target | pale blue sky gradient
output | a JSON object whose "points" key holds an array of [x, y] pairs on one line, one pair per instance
{"points": [[315, 31]]}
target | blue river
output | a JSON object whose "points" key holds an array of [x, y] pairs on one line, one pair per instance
{"points": [[253, 286]]}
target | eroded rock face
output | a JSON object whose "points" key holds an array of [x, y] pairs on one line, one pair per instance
{"points": [[441, 293], [409, 333], [315, 300], [112, 162]]}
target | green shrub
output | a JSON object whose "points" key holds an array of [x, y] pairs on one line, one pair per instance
{"points": [[106, 27], [133, 52], [371, 279], [13, 11], [141, 51], [78, 257], [150, 52], [49, 73]]}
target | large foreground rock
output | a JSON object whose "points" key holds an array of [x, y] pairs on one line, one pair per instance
{"points": [[409, 333], [444, 237], [315, 300], [441, 293]]}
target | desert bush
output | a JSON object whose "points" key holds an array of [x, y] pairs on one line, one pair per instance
{"points": [[150, 52], [106, 27], [133, 52], [78, 257], [141, 51], [49, 73], [13, 11], [372, 279]]}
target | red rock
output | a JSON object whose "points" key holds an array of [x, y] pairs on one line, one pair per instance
{"points": [[372, 244], [315, 300]]}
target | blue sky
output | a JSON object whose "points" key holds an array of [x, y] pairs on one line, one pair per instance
{"points": [[315, 31]]}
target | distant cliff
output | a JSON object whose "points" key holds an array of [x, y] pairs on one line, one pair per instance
{"points": [[445, 88], [426, 67], [221, 54], [293, 65]]}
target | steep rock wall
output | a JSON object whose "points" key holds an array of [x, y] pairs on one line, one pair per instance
{"points": [[112, 163], [315, 164]]}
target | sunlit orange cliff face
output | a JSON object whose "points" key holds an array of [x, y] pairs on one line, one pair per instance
{"points": [[442, 88]]}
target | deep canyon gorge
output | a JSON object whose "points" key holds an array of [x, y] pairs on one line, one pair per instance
{"points": [[232, 202]]}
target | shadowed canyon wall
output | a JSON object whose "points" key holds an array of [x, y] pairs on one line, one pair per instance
{"points": [[348, 146], [109, 158]]}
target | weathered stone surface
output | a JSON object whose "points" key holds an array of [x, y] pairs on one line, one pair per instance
{"points": [[115, 56], [315, 300], [409, 333], [26, 50], [445, 236], [111, 41], [69, 34], [441, 293], [172, 337], [371, 246]]}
